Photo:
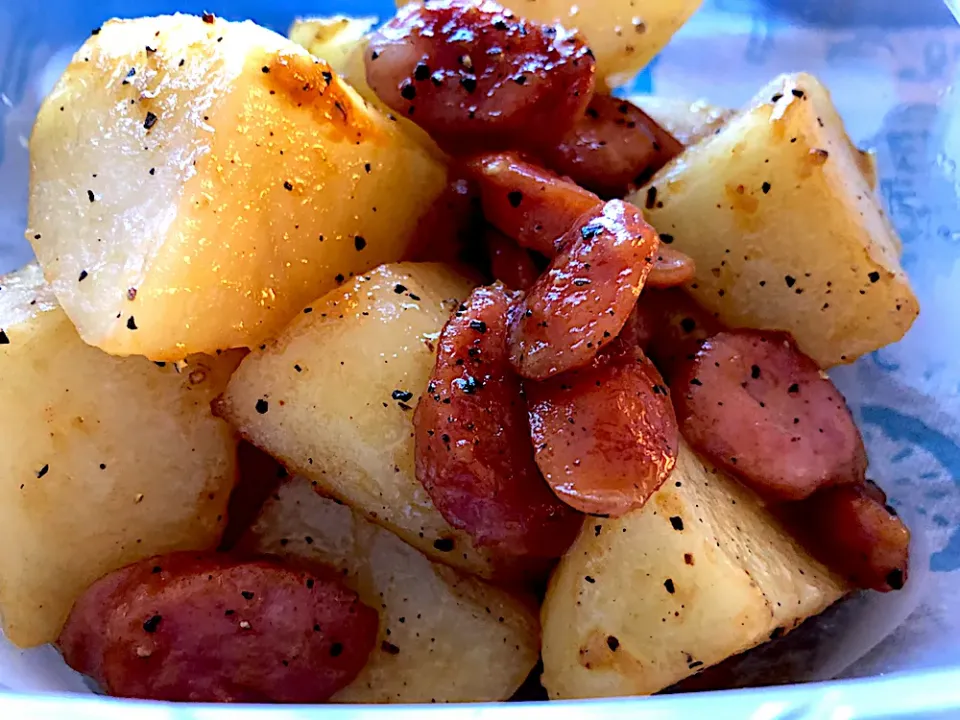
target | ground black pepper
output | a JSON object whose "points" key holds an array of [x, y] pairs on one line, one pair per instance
{"points": [[150, 120], [262, 406], [677, 522], [668, 584], [359, 242], [152, 624]]}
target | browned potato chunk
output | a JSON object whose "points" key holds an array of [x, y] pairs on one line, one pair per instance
{"points": [[208, 180], [333, 399], [702, 572], [444, 637], [778, 213], [110, 460]]}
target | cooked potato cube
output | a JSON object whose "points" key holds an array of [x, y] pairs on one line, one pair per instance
{"points": [[208, 180], [333, 38], [333, 399], [701, 573], [787, 234], [623, 34], [444, 637], [688, 122], [109, 460]]}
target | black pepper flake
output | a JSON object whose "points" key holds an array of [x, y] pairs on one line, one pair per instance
{"points": [[793, 389], [696, 381], [131, 323], [103, 466], [336, 649], [668, 585], [695, 664], [596, 530], [677, 522], [208, 17], [421, 72], [874, 276], [408, 92], [130, 73], [359, 242], [149, 121], [43, 471], [83, 276], [479, 325], [651, 197], [789, 280], [612, 643], [367, 167], [339, 278], [895, 578], [515, 197], [247, 595], [797, 93], [150, 50], [152, 624], [95, 31], [287, 185], [264, 69], [389, 648], [90, 196], [765, 187], [589, 579], [776, 97], [443, 544], [402, 395], [153, 171], [468, 83], [262, 406], [755, 372], [666, 239], [414, 296]]}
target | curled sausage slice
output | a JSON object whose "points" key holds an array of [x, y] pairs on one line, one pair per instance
{"points": [[586, 295], [509, 263], [211, 628], [613, 148], [473, 452], [851, 529], [753, 403], [605, 436], [472, 74], [527, 202], [671, 269]]}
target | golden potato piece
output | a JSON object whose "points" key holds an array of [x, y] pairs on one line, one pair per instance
{"points": [[444, 637], [333, 399], [211, 179], [701, 573], [689, 122], [778, 213], [109, 460], [623, 34], [333, 38]]}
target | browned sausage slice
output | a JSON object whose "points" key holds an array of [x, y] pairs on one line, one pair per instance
{"points": [[671, 269], [528, 203], [850, 529], [473, 452], [614, 148], [605, 435], [473, 74], [509, 263], [753, 403], [586, 295], [211, 628]]}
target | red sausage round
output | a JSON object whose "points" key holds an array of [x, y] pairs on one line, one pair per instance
{"points": [[850, 529], [753, 403], [605, 436], [528, 203], [614, 148], [473, 74], [473, 451], [586, 295], [675, 327], [211, 628]]}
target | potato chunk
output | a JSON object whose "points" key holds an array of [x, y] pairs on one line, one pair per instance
{"points": [[778, 213], [444, 637], [210, 179], [702, 572], [623, 34], [333, 399], [110, 460]]}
